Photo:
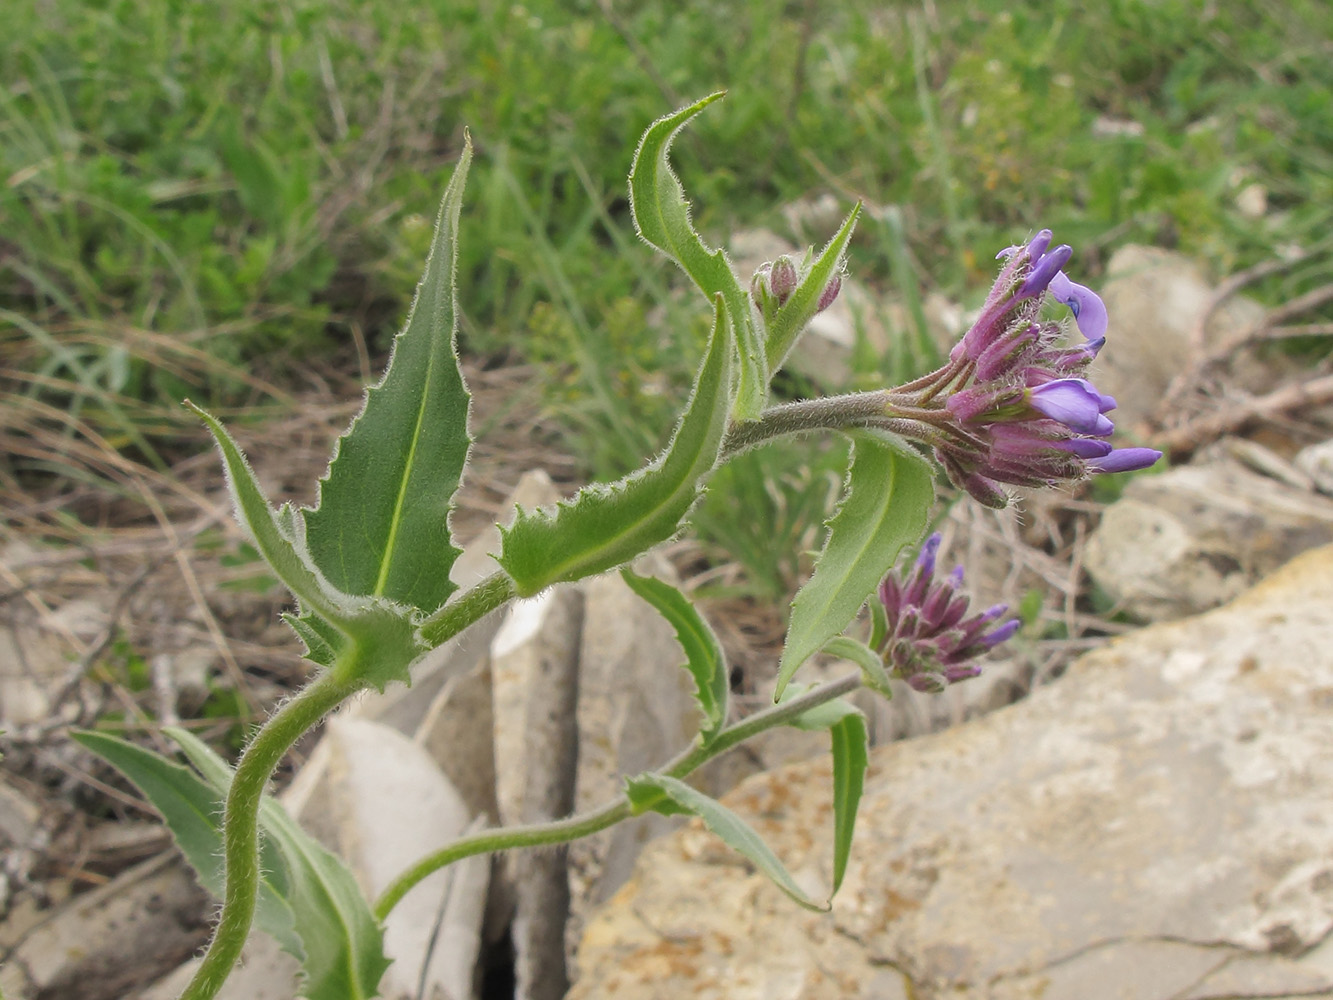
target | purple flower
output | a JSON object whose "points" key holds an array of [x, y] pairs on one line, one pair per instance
{"points": [[1086, 305], [1014, 404], [1044, 270], [930, 641], [1073, 402], [1125, 460]]}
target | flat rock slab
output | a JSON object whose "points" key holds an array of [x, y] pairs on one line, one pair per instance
{"points": [[1155, 825]]}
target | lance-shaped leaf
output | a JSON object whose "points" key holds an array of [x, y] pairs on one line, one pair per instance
{"points": [[885, 503], [662, 218], [704, 658], [381, 525], [850, 744], [344, 955], [670, 795], [787, 326], [606, 526], [271, 532], [378, 636], [192, 811]]}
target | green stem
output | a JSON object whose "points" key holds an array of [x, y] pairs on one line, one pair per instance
{"points": [[241, 823], [825, 413], [562, 831], [491, 593]]}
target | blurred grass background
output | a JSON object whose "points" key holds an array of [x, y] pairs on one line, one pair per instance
{"points": [[220, 201]]}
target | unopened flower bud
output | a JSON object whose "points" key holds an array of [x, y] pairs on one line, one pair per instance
{"points": [[783, 279], [829, 293]]}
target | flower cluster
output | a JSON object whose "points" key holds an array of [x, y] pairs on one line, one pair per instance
{"points": [[929, 640], [1013, 405]]}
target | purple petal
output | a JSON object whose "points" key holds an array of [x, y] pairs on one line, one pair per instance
{"points": [[1086, 305], [1005, 631], [1037, 248], [1107, 403], [1044, 270], [926, 560], [1071, 401], [1125, 460], [1103, 427], [1085, 447]]}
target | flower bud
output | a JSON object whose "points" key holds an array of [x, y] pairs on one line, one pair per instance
{"points": [[829, 293], [783, 279]]}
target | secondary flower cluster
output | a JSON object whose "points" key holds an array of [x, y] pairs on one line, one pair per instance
{"points": [[1013, 405], [930, 641]]}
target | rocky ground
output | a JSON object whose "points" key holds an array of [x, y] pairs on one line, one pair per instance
{"points": [[1151, 823]]}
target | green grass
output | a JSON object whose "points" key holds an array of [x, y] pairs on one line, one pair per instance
{"points": [[194, 199]]}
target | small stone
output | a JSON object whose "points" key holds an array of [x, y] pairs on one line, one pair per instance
{"points": [[1316, 461]]}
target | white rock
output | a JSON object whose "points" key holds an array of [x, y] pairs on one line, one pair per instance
{"points": [[1153, 825], [381, 803], [1195, 536], [1316, 461], [1154, 299]]}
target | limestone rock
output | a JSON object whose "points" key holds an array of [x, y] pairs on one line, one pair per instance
{"points": [[1154, 824], [636, 710], [1155, 299], [1195, 536], [380, 802], [265, 972], [535, 664]]}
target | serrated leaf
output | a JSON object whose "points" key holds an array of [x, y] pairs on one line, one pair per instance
{"points": [[885, 504], [705, 660], [322, 642], [850, 759], [787, 326], [873, 673], [344, 954], [606, 526], [381, 527], [270, 531], [192, 810], [730, 828], [662, 218]]}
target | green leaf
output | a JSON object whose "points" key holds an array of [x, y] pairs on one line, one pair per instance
{"points": [[381, 525], [372, 639], [873, 673], [192, 810], [704, 657], [727, 825], [850, 759], [606, 526], [344, 954], [662, 218], [847, 729], [884, 507], [272, 532], [322, 642], [820, 717], [790, 321]]}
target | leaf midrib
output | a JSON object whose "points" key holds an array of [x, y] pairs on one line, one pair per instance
{"points": [[396, 520]]}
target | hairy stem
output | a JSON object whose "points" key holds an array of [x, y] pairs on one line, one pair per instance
{"points": [[241, 825], [584, 824], [803, 416], [493, 592]]}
